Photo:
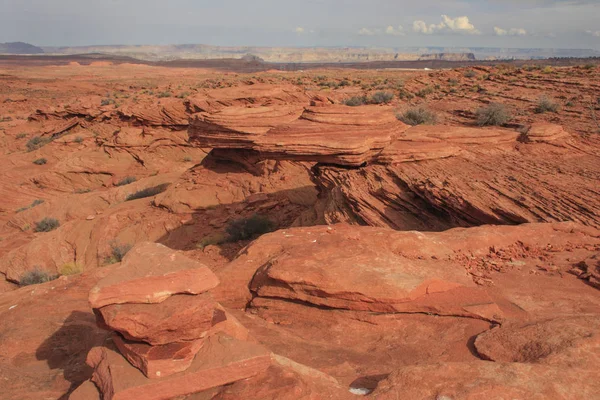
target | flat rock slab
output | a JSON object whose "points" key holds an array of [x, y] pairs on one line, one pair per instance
{"points": [[222, 360], [179, 318], [333, 134], [151, 273], [168, 359], [534, 342]]}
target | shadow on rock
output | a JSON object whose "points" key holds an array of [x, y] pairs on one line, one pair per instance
{"points": [[67, 348]]}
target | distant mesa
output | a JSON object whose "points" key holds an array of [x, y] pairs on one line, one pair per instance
{"points": [[448, 57], [19, 48]]}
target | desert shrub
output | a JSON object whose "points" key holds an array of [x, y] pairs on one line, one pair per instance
{"points": [[546, 104], [40, 161], [547, 70], [35, 277], [46, 225], [117, 252], [187, 159], [36, 142], [164, 94], [70, 269], [470, 74], [34, 204], [248, 228], [82, 191], [418, 116], [21, 136], [424, 92], [216, 238], [381, 98], [569, 104], [148, 192], [589, 66], [453, 82], [493, 114], [126, 181], [107, 102], [356, 101], [78, 139]]}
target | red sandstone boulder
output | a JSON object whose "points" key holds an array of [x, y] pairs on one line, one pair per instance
{"points": [[221, 360], [86, 391], [179, 318], [151, 273]]}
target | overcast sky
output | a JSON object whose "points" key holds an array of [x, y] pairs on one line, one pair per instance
{"points": [[385, 23]]}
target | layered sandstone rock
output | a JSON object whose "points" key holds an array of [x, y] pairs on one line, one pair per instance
{"points": [[342, 135]]}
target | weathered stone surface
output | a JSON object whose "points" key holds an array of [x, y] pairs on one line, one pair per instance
{"points": [[179, 318], [439, 177], [221, 360], [159, 361], [164, 360], [86, 391], [334, 134], [151, 273], [535, 341]]}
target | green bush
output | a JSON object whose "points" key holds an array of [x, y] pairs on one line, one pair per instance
{"points": [[356, 101], [148, 192], [36, 142], [418, 116], [35, 277], [40, 161], [546, 104], [248, 228], [493, 115], [46, 225], [126, 181], [117, 252], [381, 98], [424, 92]]}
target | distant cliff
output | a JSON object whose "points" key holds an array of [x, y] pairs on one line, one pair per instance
{"points": [[19, 48], [448, 57]]}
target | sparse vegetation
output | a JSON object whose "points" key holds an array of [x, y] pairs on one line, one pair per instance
{"points": [[34, 204], [82, 191], [470, 74], [547, 70], [78, 139], [46, 225], [494, 114], [162, 95], [107, 102], [356, 101], [381, 98], [214, 239], [148, 192], [248, 228], [187, 159], [425, 91], [21, 136], [117, 252], [70, 269], [36, 142], [418, 116], [126, 181], [35, 277], [40, 161], [546, 104]]}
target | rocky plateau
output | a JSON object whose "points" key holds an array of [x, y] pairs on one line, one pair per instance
{"points": [[193, 234]]}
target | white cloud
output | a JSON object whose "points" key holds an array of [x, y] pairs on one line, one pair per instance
{"points": [[299, 30], [390, 30], [510, 32], [366, 32], [593, 33], [450, 25]]}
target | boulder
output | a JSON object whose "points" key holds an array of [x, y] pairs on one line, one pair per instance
{"points": [[151, 273], [221, 360]]}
